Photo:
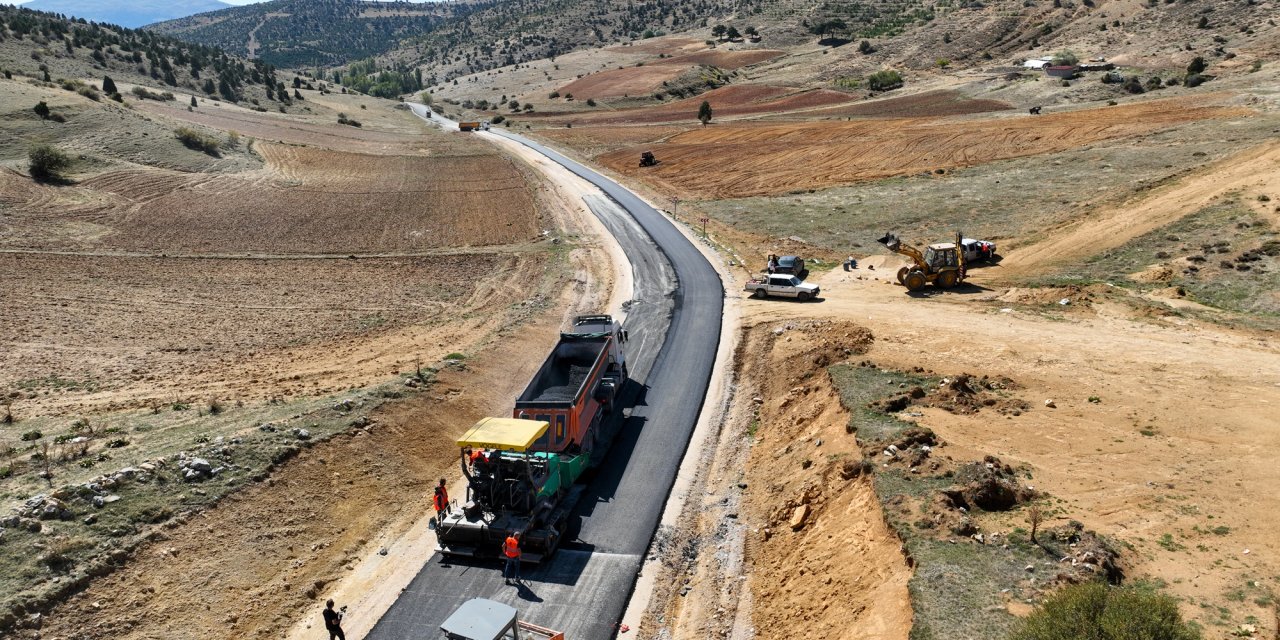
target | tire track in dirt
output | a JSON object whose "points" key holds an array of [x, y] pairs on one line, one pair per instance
{"points": [[1255, 169]]}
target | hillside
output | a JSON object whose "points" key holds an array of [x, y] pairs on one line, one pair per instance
{"points": [[47, 48], [447, 39], [312, 33], [133, 14]]}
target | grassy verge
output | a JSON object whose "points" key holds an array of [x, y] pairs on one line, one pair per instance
{"points": [[959, 589], [1012, 198], [1223, 256]]}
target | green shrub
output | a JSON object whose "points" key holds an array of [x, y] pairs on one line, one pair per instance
{"points": [[1096, 611], [32, 436], [47, 163], [41, 109], [144, 94], [884, 80], [1065, 59], [195, 140], [1194, 80], [1197, 65]]}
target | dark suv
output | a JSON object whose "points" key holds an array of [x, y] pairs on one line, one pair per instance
{"points": [[793, 266]]}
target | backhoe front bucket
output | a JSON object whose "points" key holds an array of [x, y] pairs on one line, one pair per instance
{"points": [[891, 241]]}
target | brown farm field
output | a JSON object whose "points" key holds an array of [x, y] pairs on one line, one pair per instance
{"points": [[308, 201], [734, 101], [746, 159]]}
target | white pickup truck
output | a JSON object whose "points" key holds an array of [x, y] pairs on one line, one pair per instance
{"points": [[782, 286]]}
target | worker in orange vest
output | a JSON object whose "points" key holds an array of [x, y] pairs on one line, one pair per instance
{"points": [[441, 503], [511, 549]]}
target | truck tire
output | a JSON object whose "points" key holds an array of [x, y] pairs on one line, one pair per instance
{"points": [[760, 293], [802, 296], [948, 279], [902, 275], [914, 281]]}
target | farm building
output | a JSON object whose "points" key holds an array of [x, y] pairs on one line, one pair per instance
{"points": [[1066, 71]]}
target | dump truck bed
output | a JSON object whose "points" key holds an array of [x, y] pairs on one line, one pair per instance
{"points": [[564, 375]]}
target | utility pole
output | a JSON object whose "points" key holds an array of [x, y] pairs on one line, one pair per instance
{"points": [[675, 207]]}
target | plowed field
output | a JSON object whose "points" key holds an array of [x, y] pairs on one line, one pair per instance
{"points": [[737, 160], [291, 129], [727, 102], [629, 81], [726, 59], [930, 103], [152, 327], [311, 201]]}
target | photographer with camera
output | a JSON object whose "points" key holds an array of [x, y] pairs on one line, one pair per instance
{"points": [[333, 620]]}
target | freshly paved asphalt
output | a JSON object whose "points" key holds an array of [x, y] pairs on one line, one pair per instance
{"points": [[674, 323]]}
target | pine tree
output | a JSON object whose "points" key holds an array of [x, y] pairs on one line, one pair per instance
{"points": [[109, 85], [704, 112]]}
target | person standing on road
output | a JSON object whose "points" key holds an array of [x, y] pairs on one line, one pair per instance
{"points": [[441, 503], [511, 549], [333, 621]]}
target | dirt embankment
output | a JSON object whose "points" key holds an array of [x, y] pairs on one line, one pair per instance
{"points": [[778, 513]]}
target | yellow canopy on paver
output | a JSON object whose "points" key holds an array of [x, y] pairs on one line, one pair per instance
{"points": [[506, 434]]}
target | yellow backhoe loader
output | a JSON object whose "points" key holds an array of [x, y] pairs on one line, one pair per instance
{"points": [[941, 265]]}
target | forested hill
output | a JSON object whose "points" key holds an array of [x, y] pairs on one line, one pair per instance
{"points": [[312, 33], [448, 37], [505, 32], [47, 47]]}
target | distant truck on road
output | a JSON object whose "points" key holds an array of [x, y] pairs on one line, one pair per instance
{"points": [[473, 126], [782, 286]]}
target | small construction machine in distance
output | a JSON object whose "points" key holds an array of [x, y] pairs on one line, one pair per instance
{"points": [[648, 160], [484, 619], [941, 264], [524, 475]]}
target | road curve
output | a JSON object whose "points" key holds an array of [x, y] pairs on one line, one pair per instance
{"points": [[584, 589]]}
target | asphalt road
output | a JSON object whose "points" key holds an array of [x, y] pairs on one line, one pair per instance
{"points": [[674, 323]]}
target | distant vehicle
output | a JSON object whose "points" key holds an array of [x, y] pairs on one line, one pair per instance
{"points": [[782, 286], [484, 126], [647, 159], [978, 250], [468, 126], [793, 266]]}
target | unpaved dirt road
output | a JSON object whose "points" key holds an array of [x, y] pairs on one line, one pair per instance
{"points": [[1252, 172]]}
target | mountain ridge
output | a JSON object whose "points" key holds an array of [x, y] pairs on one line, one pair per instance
{"points": [[134, 14]]}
